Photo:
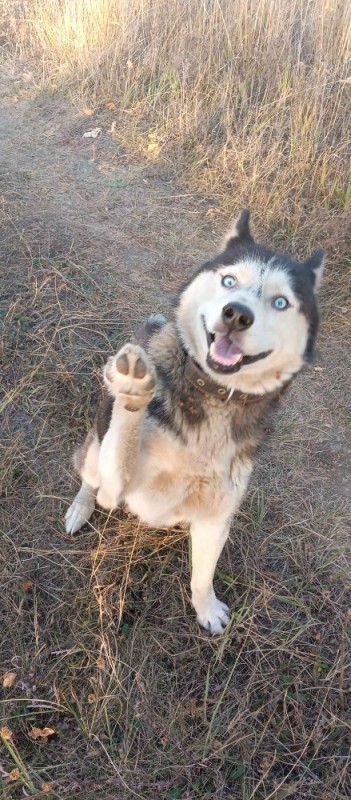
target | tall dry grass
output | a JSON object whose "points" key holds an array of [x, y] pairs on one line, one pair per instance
{"points": [[254, 95]]}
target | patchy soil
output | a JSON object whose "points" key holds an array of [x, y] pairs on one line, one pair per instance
{"points": [[99, 629]]}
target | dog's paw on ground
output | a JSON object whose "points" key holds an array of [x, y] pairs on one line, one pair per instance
{"points": [[214, 618], [79, 511], [130, 377]]}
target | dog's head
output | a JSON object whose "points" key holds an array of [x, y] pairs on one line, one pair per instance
{"points": [[249, 317]]}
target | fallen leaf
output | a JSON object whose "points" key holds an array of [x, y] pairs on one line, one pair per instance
{"points": [[286, 791], [89, 112], [237, 773], [26, 585], [266, 764], [217, 744], [46, 788], [92, 134], [192, 708], [6, 733], [41, 733], [9, 679], [153, 147], [14, 774], [110, 106]]}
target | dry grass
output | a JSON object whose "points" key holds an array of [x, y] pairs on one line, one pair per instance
{"points": [[247, 102], [252, 96]]}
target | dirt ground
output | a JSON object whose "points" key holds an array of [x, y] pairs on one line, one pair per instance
{"points": [[98, 628]]}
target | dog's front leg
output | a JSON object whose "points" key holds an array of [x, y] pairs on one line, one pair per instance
{"points": [[208, 538], [130, 379], [207, 541]]}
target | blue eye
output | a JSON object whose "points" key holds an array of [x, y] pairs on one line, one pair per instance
{"points": [[228, 281], [280, 303]]}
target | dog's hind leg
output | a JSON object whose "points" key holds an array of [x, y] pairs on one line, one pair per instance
{"points": [[86, 463], [130, 379], [81, 509]]}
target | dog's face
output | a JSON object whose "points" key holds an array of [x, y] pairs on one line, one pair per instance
{"points": [[249, 317]]}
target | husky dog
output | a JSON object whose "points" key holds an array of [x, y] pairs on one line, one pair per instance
{"points": [[175, 435]]}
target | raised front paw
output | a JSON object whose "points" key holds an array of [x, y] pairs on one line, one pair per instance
{"points": [[130, 377], [213, 616]]}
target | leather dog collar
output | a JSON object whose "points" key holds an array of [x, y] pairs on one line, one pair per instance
{"points": [[199, 380]]}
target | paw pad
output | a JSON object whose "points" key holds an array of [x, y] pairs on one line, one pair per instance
{"points": [[130, 377], [122, 364]]}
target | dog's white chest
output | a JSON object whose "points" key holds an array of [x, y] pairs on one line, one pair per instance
{"points": [[176, 483]]}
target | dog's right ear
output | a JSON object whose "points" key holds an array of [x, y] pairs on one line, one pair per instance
{"points": [[240, 232]]}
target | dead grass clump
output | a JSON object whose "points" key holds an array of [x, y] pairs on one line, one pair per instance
{"points": [[253, 95]]}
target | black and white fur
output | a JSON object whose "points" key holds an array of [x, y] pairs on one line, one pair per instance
{"points": [[165, 441]]}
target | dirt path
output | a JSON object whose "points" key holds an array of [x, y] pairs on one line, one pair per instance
{"points": [[96, 197], [94, 238]]}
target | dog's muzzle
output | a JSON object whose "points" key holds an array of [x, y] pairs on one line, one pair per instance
{"points": [[224, 354]]}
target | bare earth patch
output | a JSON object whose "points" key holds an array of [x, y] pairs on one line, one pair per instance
{"points": [[98, 629]]}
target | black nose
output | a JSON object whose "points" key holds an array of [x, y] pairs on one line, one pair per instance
{"points": [[237, 316]]}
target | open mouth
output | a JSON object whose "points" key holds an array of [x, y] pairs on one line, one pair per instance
{"points": [[224, 355]]}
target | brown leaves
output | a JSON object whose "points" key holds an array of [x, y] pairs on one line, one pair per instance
{"points": [[41, 733], [26, 585], [9, 679], [192, 708], [5, 734], [266, 764]]}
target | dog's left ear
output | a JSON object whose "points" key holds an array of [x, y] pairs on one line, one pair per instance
{"points": [[315, 265], [240, 232]]}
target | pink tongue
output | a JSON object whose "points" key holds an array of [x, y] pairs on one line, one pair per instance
{"points": [[225, 351]]}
